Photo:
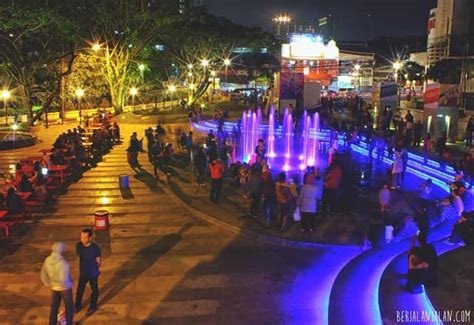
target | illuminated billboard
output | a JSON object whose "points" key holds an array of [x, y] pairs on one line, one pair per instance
{"points": [[309, 46]]}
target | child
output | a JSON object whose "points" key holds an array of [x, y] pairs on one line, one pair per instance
{"points": [[384, 198]]}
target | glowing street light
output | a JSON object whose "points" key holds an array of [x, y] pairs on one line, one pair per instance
{"points": [[133, 92], [205, 63], [190, 74], [190, 66], [226, 63], [192, 86], [397, 65], [5, 97], [357, 67], [79, 94], [282, 19], [172, 90], [96, 47], [213, 73]]}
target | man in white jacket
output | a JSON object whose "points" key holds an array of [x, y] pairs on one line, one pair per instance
{"points": [[55, 274]]}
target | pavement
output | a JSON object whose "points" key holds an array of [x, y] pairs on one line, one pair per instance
{"points": [[160, 263], [164, 263]]}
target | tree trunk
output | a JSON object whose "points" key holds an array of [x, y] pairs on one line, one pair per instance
{"points": [[25, 96]]}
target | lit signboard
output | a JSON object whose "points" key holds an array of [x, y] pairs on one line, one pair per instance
{"points": [[309, 47], [306, 46]]}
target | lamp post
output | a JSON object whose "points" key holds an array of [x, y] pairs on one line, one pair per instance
{"points": [[172, 89], [5, 96], [397, 66], [79, 94], [213, 75], [133, 92], [226, 64]]}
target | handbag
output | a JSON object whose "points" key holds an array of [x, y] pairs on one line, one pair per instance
{"points": [[297, 215]]}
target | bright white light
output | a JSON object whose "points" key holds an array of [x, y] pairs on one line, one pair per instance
{"points": [[96, 47], [104, 200], [141, 67], [133, 91], [172, 88], [302, 167], [287, 155], [190, 66], [227, 62], [79, 92], [357, 67], [190, 74], [286, 168], [192, 86], [397, 65], [204, 62], [310, 162], [44, 171], [213, 73], [272, 155], [6, 94], [15, 127], [300, 157]]}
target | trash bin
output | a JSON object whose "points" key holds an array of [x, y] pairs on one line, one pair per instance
{"points": [[123, 181], [101, 219]]}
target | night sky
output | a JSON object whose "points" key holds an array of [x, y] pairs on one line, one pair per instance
{"points": [[388, 17]]}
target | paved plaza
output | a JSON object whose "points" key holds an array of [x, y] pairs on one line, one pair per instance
{"points": [[164, 263]]}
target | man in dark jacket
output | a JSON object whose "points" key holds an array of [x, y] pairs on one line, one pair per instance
{"points": [[255, 187]]}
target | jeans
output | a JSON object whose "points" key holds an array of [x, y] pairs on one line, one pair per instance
{"points": [[80, 292], [284, 218], [255, 205], [396, 179], [307, 220], [56, 297], [268, 207], [216, 188]]}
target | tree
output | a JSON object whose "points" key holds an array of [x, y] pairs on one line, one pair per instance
{"points": [[126, 31], [412, 71], [446, 71], [200, 44], [34, 41]]}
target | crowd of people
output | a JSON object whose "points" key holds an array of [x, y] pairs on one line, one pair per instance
{"points": [[73, 152]]}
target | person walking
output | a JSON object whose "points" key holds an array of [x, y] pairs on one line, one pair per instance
{"points": [[217, 171], [308, 203], [469, 131], [418, 132], [89, 270], [55, 275], [133, 149], [283, 197], [200, 162], [397, 170], [255, 190]]}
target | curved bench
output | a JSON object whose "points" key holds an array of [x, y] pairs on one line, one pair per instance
{"points": [[397, 302], [356, 289]]}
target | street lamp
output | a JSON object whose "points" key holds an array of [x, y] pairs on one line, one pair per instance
{"points": [[227, 64], [190, 66], [133, 92], [213, 75], [205, 63], [79, 94], [5, 96], [96, 47], [172, 89]]}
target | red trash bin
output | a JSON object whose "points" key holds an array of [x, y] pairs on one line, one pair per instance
{"points": [[101, 219]]}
